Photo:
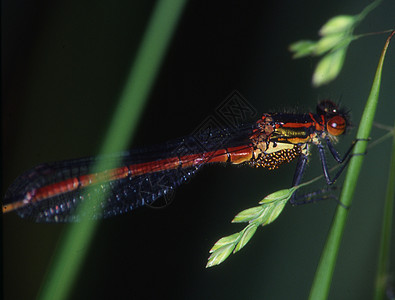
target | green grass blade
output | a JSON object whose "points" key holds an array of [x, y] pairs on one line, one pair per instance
{"points": [[385, 241], [324, 273], [75, 243]]}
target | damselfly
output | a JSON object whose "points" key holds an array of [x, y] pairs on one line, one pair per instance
{"points": [[51, 192]]}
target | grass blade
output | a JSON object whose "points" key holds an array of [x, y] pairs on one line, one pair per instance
{"points": [[324, 273], [75, 243]]}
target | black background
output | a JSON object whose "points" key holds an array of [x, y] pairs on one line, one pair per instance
{"points": [[63, 67]]}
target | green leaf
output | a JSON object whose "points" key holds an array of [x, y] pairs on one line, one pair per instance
{"points": [[336, 37], [338, 24], [275, 212], [326, 266], [248, 232], [219, 255], [329, 67], [272, 206], [328, 43], [230, 239], [248, 214], [150, 54], [279, 195], [302, 48], [271, 213]]}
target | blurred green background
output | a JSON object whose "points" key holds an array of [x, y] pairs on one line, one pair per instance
{"points": [[63, 66]]}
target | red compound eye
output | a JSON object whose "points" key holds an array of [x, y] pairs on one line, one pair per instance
{"points": [[336, 125]]}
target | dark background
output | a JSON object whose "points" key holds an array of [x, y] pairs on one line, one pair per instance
{"points": [[63, 67]]}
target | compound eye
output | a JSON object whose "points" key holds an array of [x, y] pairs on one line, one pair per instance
{"points": [[336, 125]]}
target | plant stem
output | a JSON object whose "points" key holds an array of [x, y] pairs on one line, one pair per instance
{"points": [[75, 242], [326, 267]]}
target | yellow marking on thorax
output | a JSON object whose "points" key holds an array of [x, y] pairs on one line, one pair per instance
{"points": [[274, 147], [275, 154]]}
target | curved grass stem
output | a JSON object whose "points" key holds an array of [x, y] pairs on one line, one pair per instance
{"points": [[324, 273]]}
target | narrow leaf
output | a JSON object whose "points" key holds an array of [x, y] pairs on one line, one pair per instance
{"points": [[328, 43], [326, 266], [248, 232], [338, 24], [247, 214], [275, 212], [279, 195], [302, 48], [230, 239], [262, 219], [329, 67], [219, 255]]}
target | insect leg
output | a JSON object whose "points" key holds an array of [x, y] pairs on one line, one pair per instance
{"points": [[336, 155]]}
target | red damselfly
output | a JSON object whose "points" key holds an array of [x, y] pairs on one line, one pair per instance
{"points": [[51, 192]]}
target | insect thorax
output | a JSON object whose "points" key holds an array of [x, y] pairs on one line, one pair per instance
{"points": [[275, 155]]}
